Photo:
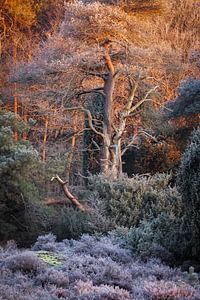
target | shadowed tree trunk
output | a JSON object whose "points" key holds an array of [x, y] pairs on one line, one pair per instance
{"points": [[46, 124]]}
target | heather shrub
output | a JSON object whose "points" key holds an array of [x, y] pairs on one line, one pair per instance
{"points": [[100, 270], [188, 180], [87, 290], [153, 268], [45, 242], [102, 247], [52, 276], [86, 273], [25, 261], [127, 201], [163, 290]]}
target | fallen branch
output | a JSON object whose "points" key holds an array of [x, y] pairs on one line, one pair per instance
{"points": [[53, 201], [71, 197]]}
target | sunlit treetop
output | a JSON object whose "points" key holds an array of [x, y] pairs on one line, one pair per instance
{"points": [[23, 11]]}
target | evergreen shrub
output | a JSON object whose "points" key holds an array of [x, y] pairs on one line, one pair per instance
{"points": [[17, 159], [127, 201], [163, 237], [188, 181]]}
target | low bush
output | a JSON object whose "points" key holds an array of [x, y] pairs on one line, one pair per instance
{"points": [[65, 222], [163, 290], [25, 261], [72, 223], [163, 237], [88, 291], [127, 201], [53, 276], [94, 267]]}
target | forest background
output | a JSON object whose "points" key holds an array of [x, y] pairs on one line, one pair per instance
{"points": [[110, 87]]}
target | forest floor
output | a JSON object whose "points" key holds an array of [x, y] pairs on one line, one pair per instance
{"points": [[89, 268]]}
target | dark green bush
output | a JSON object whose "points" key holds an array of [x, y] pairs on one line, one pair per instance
{"points": [[72, 223], [17, 159], [162, 237], [188, 180], [175, 230], [127, 201], [63, 221], [165, 237]]}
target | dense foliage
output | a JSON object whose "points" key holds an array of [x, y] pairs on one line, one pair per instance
{"points": [[163, 237], [16, 162], [90, 268], [189, 184], [127, 201], [188, 101]]}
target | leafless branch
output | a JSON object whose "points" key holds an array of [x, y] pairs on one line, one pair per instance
{"points": [[96, 91], [129, 144], [148, 135], [90, 119]]}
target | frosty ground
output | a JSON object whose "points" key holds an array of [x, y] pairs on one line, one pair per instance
{"points": [[91, 268]]}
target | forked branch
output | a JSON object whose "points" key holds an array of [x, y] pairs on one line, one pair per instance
{"points": [[90, 119]]}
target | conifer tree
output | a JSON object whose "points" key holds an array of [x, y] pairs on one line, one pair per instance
{"points": [[16, 162]]}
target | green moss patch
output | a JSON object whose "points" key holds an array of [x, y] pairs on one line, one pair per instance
{"points": [[50, 258]]}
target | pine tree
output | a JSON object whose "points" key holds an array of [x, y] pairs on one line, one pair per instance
{"points": [[16, 162], [189, 184]]}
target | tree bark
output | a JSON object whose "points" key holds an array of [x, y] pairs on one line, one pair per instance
{"points": [[25, 118], [67, 193], [105, 155], [109, 84], [45, 139], [14, 53], [108, 91], [116, 155]]}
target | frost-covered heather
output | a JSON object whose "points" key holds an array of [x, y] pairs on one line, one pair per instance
{"points": [[92, 268]]}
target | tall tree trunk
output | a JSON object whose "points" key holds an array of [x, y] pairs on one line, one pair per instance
{"points": [[108, 91], [25, 119], [14, 53], [15, 108], [109, 84], [45, 139], [116, 159], [105, 155], [29, 57]]}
